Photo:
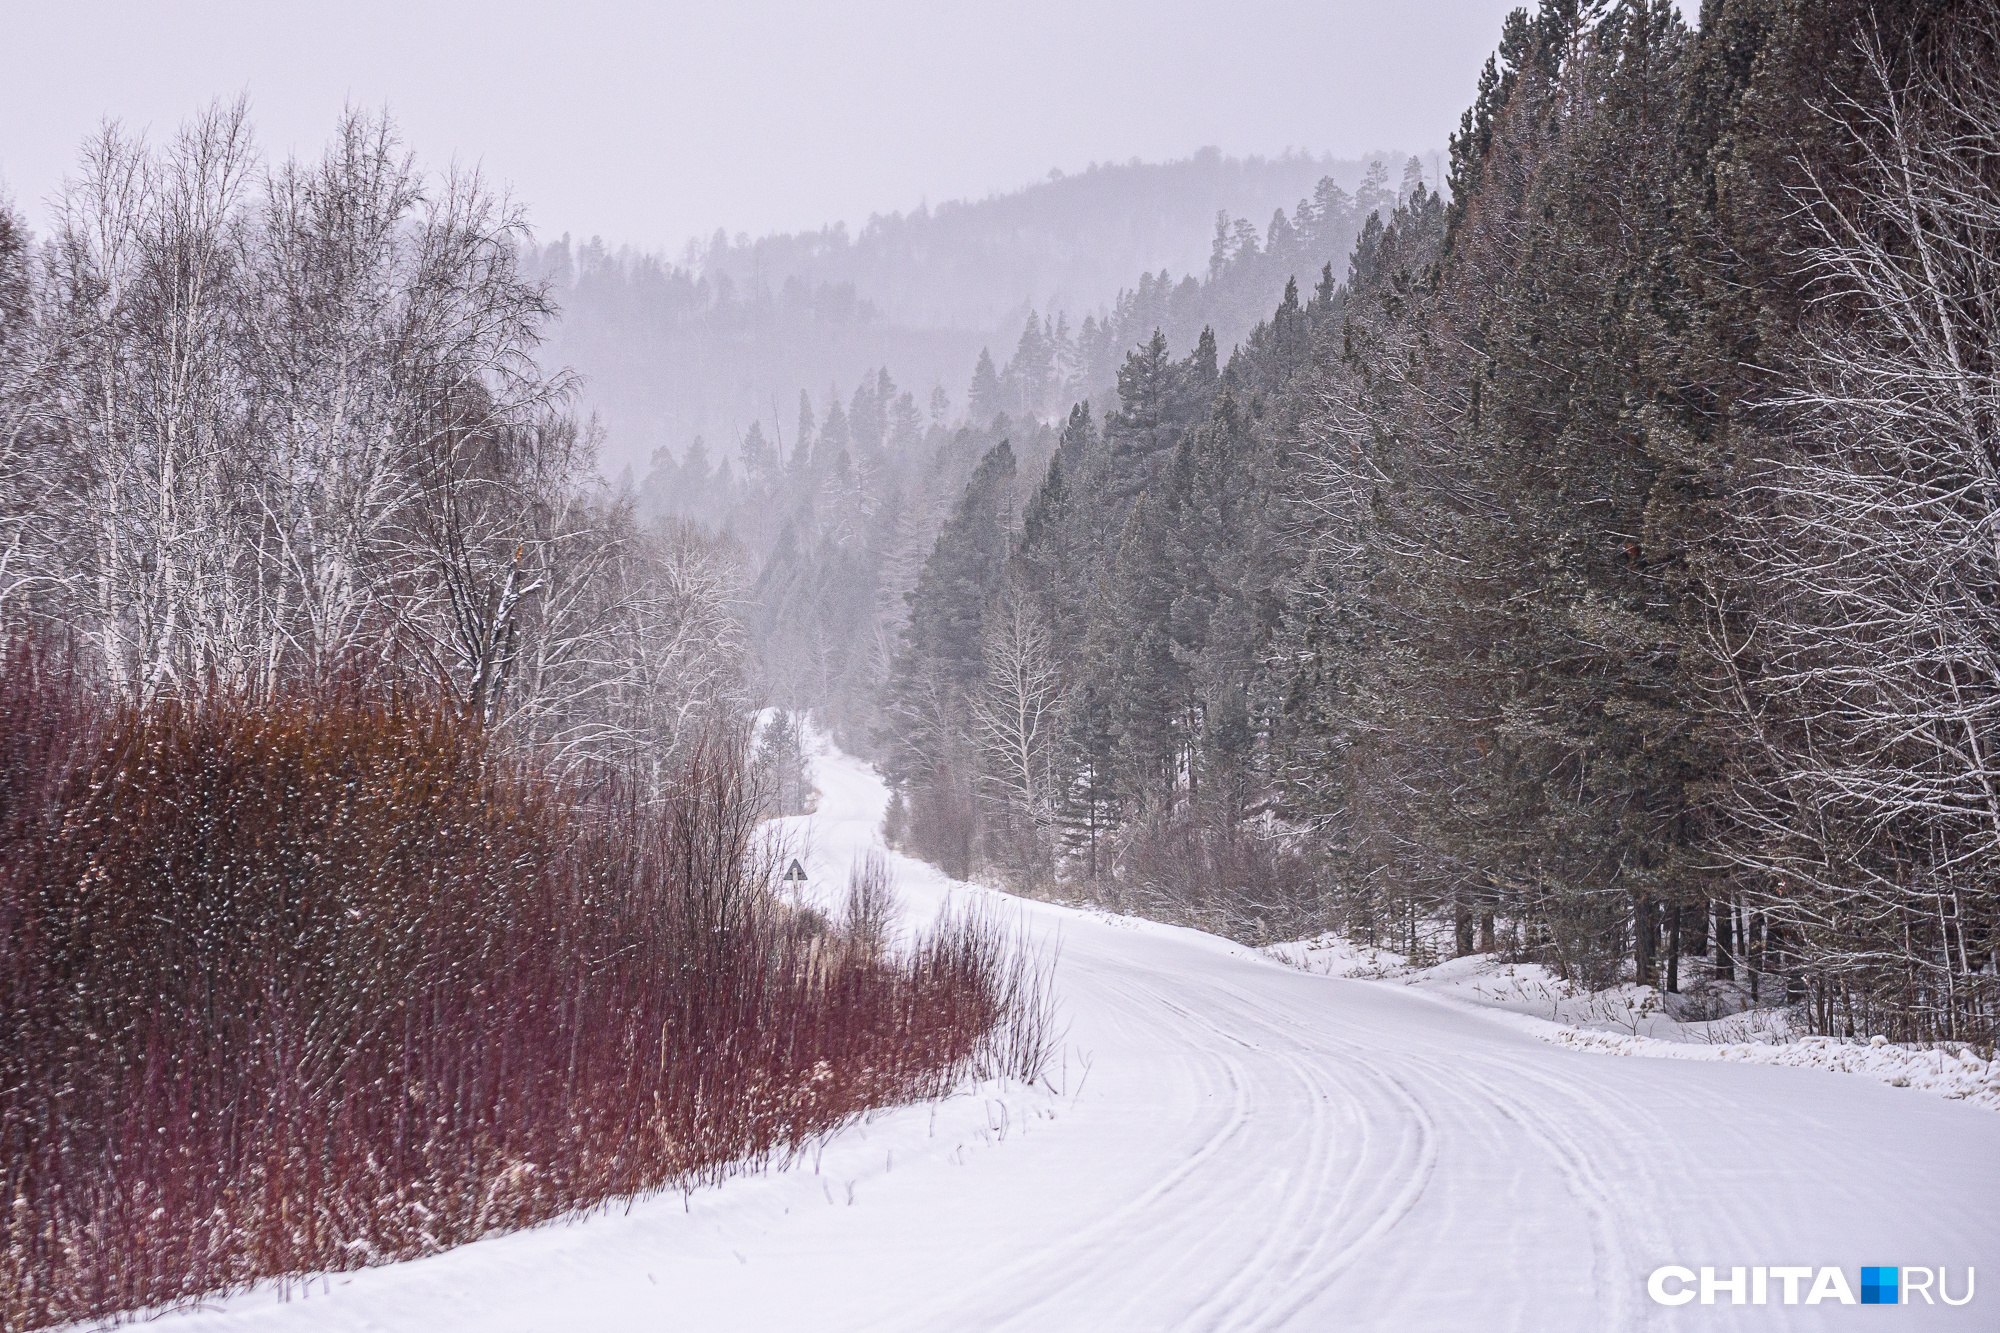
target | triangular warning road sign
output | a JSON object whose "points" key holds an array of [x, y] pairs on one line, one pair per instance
{"points": [[793, 873]]}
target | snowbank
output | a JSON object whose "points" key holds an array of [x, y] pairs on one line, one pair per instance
{"points": [[1635, 1020], [1961, 1075]]}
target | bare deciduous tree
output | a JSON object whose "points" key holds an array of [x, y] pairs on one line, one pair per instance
{"points": [[1867, 687], [1016, 721], [262, 424]]}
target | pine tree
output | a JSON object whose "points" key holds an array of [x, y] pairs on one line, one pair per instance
{"points": [[760, 460], [1145, 423], [802, 443], [941, 663], [1026, 382], [835, 437], [984, 399]]}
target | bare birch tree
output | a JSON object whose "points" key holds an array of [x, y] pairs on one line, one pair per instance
{"points": [[1868, 686], [1016, 722], [264, 424]]}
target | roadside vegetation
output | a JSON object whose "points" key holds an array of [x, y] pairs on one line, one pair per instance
{"points": [[378, 865], [328, 980]]}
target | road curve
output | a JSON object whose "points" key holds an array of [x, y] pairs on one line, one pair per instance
{"points": [[1232, 1145]]}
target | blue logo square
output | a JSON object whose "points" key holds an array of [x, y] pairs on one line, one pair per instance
{"points": [[1878, 1285]]}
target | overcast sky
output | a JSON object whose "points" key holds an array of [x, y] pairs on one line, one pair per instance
{"points": [[649, 124]]}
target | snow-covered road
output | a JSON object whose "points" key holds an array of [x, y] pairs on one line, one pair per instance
{"points": [[1233, 1145]]}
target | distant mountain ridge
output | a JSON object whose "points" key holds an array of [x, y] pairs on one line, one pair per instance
{"points": [[738, 328], [1070, 242]]}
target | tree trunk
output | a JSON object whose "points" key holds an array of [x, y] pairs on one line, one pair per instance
{"points": [[1753, 949], [1674, 950], [1462, 920], [1725, 958], [1644, 940]]}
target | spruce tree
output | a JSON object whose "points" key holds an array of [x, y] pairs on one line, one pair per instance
{"points": [[984, 398]]}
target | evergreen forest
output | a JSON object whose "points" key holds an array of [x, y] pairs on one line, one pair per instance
{"points": [[1598, 564]]}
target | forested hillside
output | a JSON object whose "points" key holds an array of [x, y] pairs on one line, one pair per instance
{"points": [[730, 332], [836, 506], [1599, 560]]}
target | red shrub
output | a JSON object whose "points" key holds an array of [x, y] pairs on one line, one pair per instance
{"points": [[326, 982]]}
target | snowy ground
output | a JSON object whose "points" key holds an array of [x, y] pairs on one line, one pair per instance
{"points": [[1633, 1020], [1234, 1144]]}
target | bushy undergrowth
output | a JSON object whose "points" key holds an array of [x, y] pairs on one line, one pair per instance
{"points": [[328, 981], [1242, 879]]}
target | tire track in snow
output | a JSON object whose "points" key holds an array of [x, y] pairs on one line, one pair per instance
{"points": [[1061, 1268], [1255, 1149], [1417, 1155], [1338, 1198]]}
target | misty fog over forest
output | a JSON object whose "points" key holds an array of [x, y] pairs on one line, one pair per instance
{"points": [[1218, 739], [733, 329]]}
